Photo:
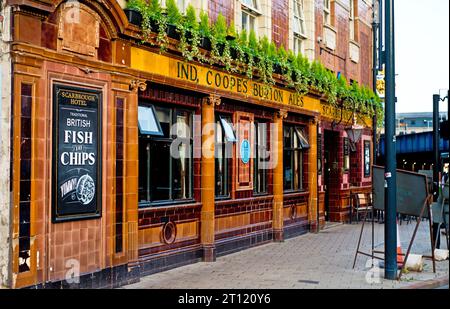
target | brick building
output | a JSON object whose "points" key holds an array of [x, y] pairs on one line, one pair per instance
{"points": [[130, 208]]}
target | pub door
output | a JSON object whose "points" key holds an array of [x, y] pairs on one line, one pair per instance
{"points": [[331, 173]]}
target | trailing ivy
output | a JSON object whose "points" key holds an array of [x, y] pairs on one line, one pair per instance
{"points": [[244, 54]]}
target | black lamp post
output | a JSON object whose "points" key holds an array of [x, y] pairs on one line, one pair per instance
{"points": [[390, 227]]}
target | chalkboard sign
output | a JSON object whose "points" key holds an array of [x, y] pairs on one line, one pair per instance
{"points": [[412, 192], [76, 153]]}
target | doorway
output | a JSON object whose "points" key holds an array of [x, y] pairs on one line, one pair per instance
{"points": [[331, 174]]}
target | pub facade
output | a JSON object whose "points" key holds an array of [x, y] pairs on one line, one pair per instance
{"points": [[126, 161]]}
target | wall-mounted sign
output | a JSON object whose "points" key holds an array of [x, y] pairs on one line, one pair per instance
{"points": [[381, 84], [366, 159], [76, 153], [245, 151]]}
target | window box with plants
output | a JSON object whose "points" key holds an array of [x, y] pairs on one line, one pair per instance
{"points": [[243, 53], [134, 10], [174, 19], [205, 31]]}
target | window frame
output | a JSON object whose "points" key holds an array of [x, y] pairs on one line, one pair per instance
{"points": [[251, 21], [299, 16], [299, 47], [185, 4], [252, 9], [327, 12], [352, 25], [298, 150], [157, 122], [149, 139], [256, 183], [227, 162]]}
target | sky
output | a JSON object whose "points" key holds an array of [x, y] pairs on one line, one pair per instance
{"points": [[422, 53]]}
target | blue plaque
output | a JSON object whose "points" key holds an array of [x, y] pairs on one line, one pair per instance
{"points": [[245, 151]]}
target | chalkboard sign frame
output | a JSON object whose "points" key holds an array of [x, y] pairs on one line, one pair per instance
{"points": [[409, 210], [57, 217]]}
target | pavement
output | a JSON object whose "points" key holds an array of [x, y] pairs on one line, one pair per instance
{"points": [[311, 261]]}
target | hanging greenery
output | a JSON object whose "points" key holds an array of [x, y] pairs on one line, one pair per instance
{"points": [[242, 53]]}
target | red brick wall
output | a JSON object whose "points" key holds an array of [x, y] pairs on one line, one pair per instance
{"points": [[226, 7], [339, 60], [280, 22]]}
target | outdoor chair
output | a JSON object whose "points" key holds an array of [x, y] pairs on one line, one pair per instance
{"points": [[362, 204]]}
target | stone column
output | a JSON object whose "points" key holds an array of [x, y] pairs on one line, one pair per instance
{"points": [[208, 178], [277, 142], [312, 175]]}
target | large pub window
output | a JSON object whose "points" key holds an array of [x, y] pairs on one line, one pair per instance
{"points": [[165, 155], [295, 143], [261, 158], [225, 137]]}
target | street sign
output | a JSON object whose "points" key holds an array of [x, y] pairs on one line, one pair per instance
{"points": [[381, 84]]}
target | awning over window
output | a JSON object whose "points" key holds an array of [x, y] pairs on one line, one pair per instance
{"points": [[228, 129], [148, 121], [302, 137]]}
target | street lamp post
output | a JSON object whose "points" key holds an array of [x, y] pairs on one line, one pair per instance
{"points": [[390, 227], [375, 66]]}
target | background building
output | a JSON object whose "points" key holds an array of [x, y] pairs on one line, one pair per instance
{"points": [[410, 123]]}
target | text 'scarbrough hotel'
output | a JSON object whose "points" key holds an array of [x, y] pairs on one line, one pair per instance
{"points": [[139, 136]]}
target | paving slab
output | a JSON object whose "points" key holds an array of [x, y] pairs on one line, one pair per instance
{"points": [[311, 261]]}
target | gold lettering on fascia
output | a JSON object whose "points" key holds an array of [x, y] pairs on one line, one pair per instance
{"points": [[236, 84]]}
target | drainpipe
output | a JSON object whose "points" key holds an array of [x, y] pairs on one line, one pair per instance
{"points": [[375, 25]]}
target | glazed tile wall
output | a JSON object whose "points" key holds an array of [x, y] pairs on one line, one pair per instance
{"points": [[339, 59], [280, 22], [126, 234], [225, 7]]}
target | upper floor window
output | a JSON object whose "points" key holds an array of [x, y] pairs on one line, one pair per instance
{"points": [[299, 45], [182, 5], [327, 12], [352, 21], [248, 21], [250, 11], [299, 18], [251, 5]]}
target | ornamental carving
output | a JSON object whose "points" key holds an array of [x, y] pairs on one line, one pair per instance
{"points": [[283, 114], [213, 100], [74, 19], [138, 84], [169, 233]]}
